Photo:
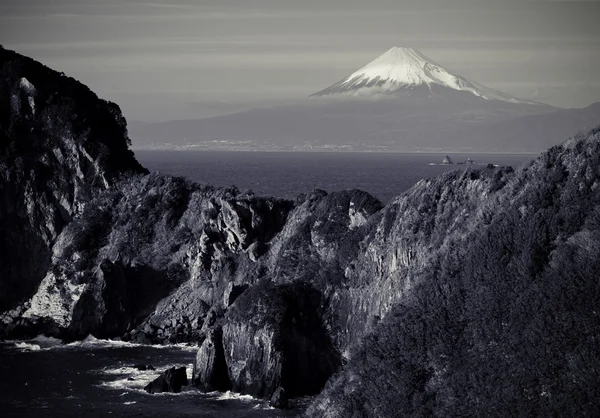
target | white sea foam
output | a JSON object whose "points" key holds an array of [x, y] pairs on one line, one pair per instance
{"points": [[92, 342], [235, 396], [27, 346], [43, 343], [46, 342], [263, 406]]}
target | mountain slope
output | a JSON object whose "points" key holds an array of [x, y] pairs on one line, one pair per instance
{"points": [[407, 69], [401, 123]]}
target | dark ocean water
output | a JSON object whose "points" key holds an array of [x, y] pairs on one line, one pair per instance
{"points": [[287, 174], [42, 378]]}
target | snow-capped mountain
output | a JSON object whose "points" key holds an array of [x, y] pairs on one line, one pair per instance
{"points": [[406, 69]]}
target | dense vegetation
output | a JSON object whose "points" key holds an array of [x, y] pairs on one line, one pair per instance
{"points": [[505, 322]]}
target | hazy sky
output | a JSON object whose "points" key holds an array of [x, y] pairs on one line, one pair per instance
{"points": [[172, 59]]}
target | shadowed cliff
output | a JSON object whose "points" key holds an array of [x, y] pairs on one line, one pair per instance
{"points": [[59, 145]]}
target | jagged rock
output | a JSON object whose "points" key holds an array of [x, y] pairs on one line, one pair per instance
{"points": [[488, 280], [171, 380], [447, 160], [210, 369], [174, 277], [210, 320], [175, 319], [279, 399]]}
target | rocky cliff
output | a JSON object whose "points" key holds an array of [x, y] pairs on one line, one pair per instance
{"points": [[416, 308], [59, 145], [502, 318]]}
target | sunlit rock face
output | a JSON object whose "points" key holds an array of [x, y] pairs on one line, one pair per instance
{"points": [[154, 254], [59, 145]]}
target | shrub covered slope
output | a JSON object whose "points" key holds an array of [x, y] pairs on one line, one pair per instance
{"points": [[505, 320]]}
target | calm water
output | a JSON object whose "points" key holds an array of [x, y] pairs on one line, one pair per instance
{"points": [[42, 378], [287, 174]]}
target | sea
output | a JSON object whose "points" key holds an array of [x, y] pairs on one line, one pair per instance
{"points": [[288, 174], [95, 378]]}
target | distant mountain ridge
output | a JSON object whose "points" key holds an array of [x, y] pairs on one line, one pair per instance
{"points": [[402, 101]]}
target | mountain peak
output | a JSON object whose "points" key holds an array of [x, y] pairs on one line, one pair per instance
{"points": [[401, 68], [397, 53]]}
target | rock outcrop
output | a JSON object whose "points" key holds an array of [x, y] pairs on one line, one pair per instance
{"points": [[274, 336], [145, 239], [210, 367]]}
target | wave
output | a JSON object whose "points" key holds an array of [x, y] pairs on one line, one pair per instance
{"points": [[92, 342], [229, 395], [27, 346], [43, 343], [39, 343], [46, 342]]}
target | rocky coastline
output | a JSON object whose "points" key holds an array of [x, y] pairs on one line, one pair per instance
{"points": [[283, 298]]}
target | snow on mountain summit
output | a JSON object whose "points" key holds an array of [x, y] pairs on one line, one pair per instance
{"points": [[406, 68]]}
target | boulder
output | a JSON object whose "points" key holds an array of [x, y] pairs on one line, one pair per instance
{"points": [[279, 399], [171, 380]]}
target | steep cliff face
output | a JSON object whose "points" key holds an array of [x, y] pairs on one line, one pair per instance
{"points": [[59, 145], [403, 240], [502, 320]]}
